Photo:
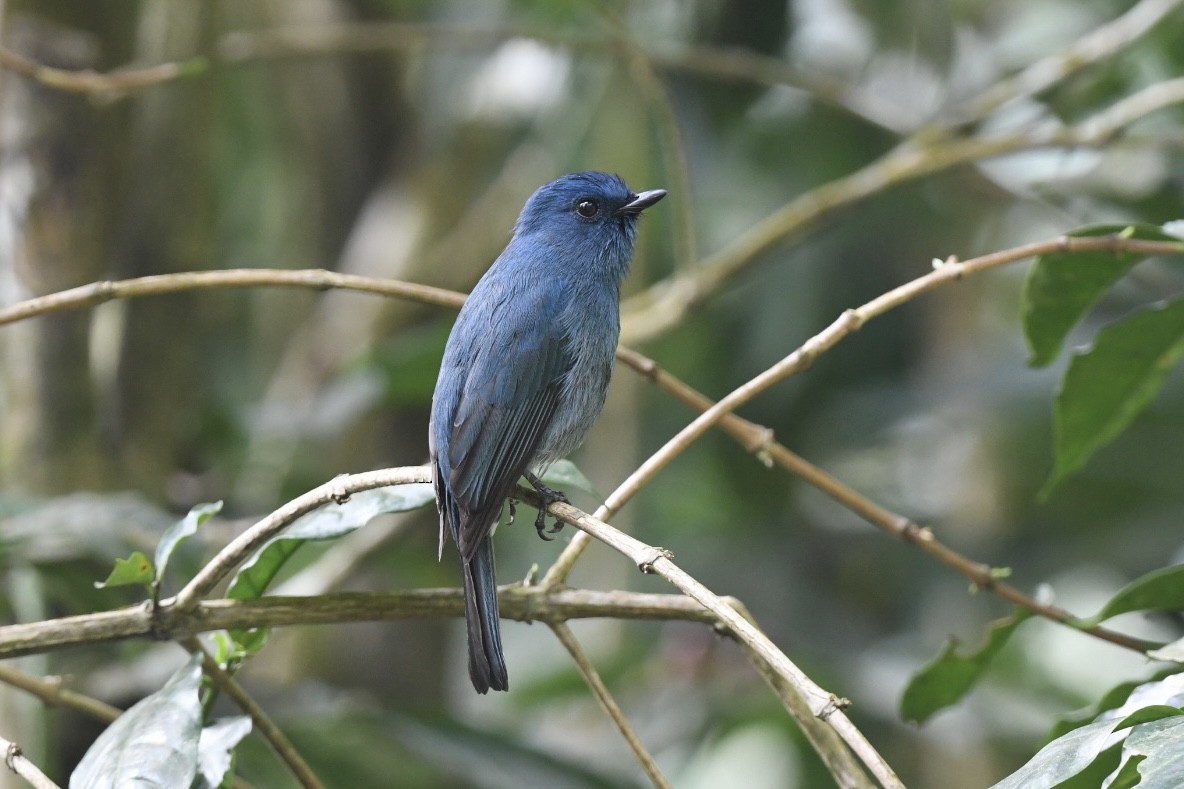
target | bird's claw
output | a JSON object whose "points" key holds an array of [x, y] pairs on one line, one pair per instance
{"points": [[548, 497], [540, 525]]}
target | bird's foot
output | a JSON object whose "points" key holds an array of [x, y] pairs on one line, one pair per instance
{"points": [[549, 496]]}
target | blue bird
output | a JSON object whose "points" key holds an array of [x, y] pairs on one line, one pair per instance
{"points": [[525, 373]]}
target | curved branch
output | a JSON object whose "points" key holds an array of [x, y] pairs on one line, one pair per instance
{"points": [[262, 723], [241, 547], [608, 703], [88, 81], [519, 603], [843, 326], [1097, 45], [759, 441], [15, 760], [96, 293], [665, 304], [824, 708]]}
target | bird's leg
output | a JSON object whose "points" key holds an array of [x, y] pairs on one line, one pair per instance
{"points": [[513, 510], [549, 496]]}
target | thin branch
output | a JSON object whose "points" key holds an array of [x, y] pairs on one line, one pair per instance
{"points": [[1097, 45], [665, 304], [16, 761], [840, 761], [242, 47], [97, 293], [274, 736], [759, 441], [845, 325], [88, 81], [608, 703], [1111, 121], [241, 547], [519, 603], [755, 438], [54, 693], [727, 63], [821, 705], [673, 148]]}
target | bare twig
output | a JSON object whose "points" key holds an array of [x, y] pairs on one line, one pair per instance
{"points": [[755, 438], [759, 441], [1110, 122], [266, 727], [238, 549], [87, 81], [980, 574], [673, 149], [16, 761], [1099, 44], [842, 327], [318, 279], [242, 47], [608, 703], [821, 705], [520, 603], [665, 304], [51, 691], [840, 761]]}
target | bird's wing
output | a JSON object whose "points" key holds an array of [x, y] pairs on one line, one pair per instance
{"points": [[508, 399]]}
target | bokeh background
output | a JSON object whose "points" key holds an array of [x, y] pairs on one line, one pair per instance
{"points": [[399, 139]]}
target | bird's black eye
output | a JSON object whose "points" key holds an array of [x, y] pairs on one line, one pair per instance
{"points": [[587, 208]]}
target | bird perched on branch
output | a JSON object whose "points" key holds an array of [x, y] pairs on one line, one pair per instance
{"points": [[525, 374]]}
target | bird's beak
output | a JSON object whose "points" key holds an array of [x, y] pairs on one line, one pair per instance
{"points": [[641, 202]]}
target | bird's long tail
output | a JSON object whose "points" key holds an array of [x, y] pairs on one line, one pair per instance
{"points": [[487, 664]]}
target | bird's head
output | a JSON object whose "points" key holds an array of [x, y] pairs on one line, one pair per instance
{"points": [[590, 214]]}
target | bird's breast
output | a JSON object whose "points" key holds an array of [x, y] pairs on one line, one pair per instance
{"points": [[591, 329]]}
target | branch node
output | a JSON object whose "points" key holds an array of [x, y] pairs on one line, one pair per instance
{"points": [[985, 578], [649, 370], [913, 532], [11, 754], [833, 704], [339, 491], [105, 290], [157, 629], [647, 565], [761, 445], [528, 605]]}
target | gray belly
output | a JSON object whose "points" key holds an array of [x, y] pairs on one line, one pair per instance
{"points": [[580, 402]]}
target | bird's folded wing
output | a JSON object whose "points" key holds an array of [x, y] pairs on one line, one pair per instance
{"points": [[508, 400]]}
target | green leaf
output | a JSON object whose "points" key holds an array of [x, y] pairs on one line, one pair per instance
{"points": [[135, 569], [1097, 772], [1126, 776], [1161, 742], [951, 676], [1161, 590], [1107, 386], [152, 744], [215, 750], [1062, 758], [181, 531], [1111, 699], [326, 523], [1061, 287], [1152, 712]]}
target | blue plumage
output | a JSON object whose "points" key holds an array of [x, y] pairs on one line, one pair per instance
{"points": [[525, 373]]}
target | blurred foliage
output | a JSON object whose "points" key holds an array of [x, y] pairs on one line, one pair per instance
{"points": [[399, 139]]}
